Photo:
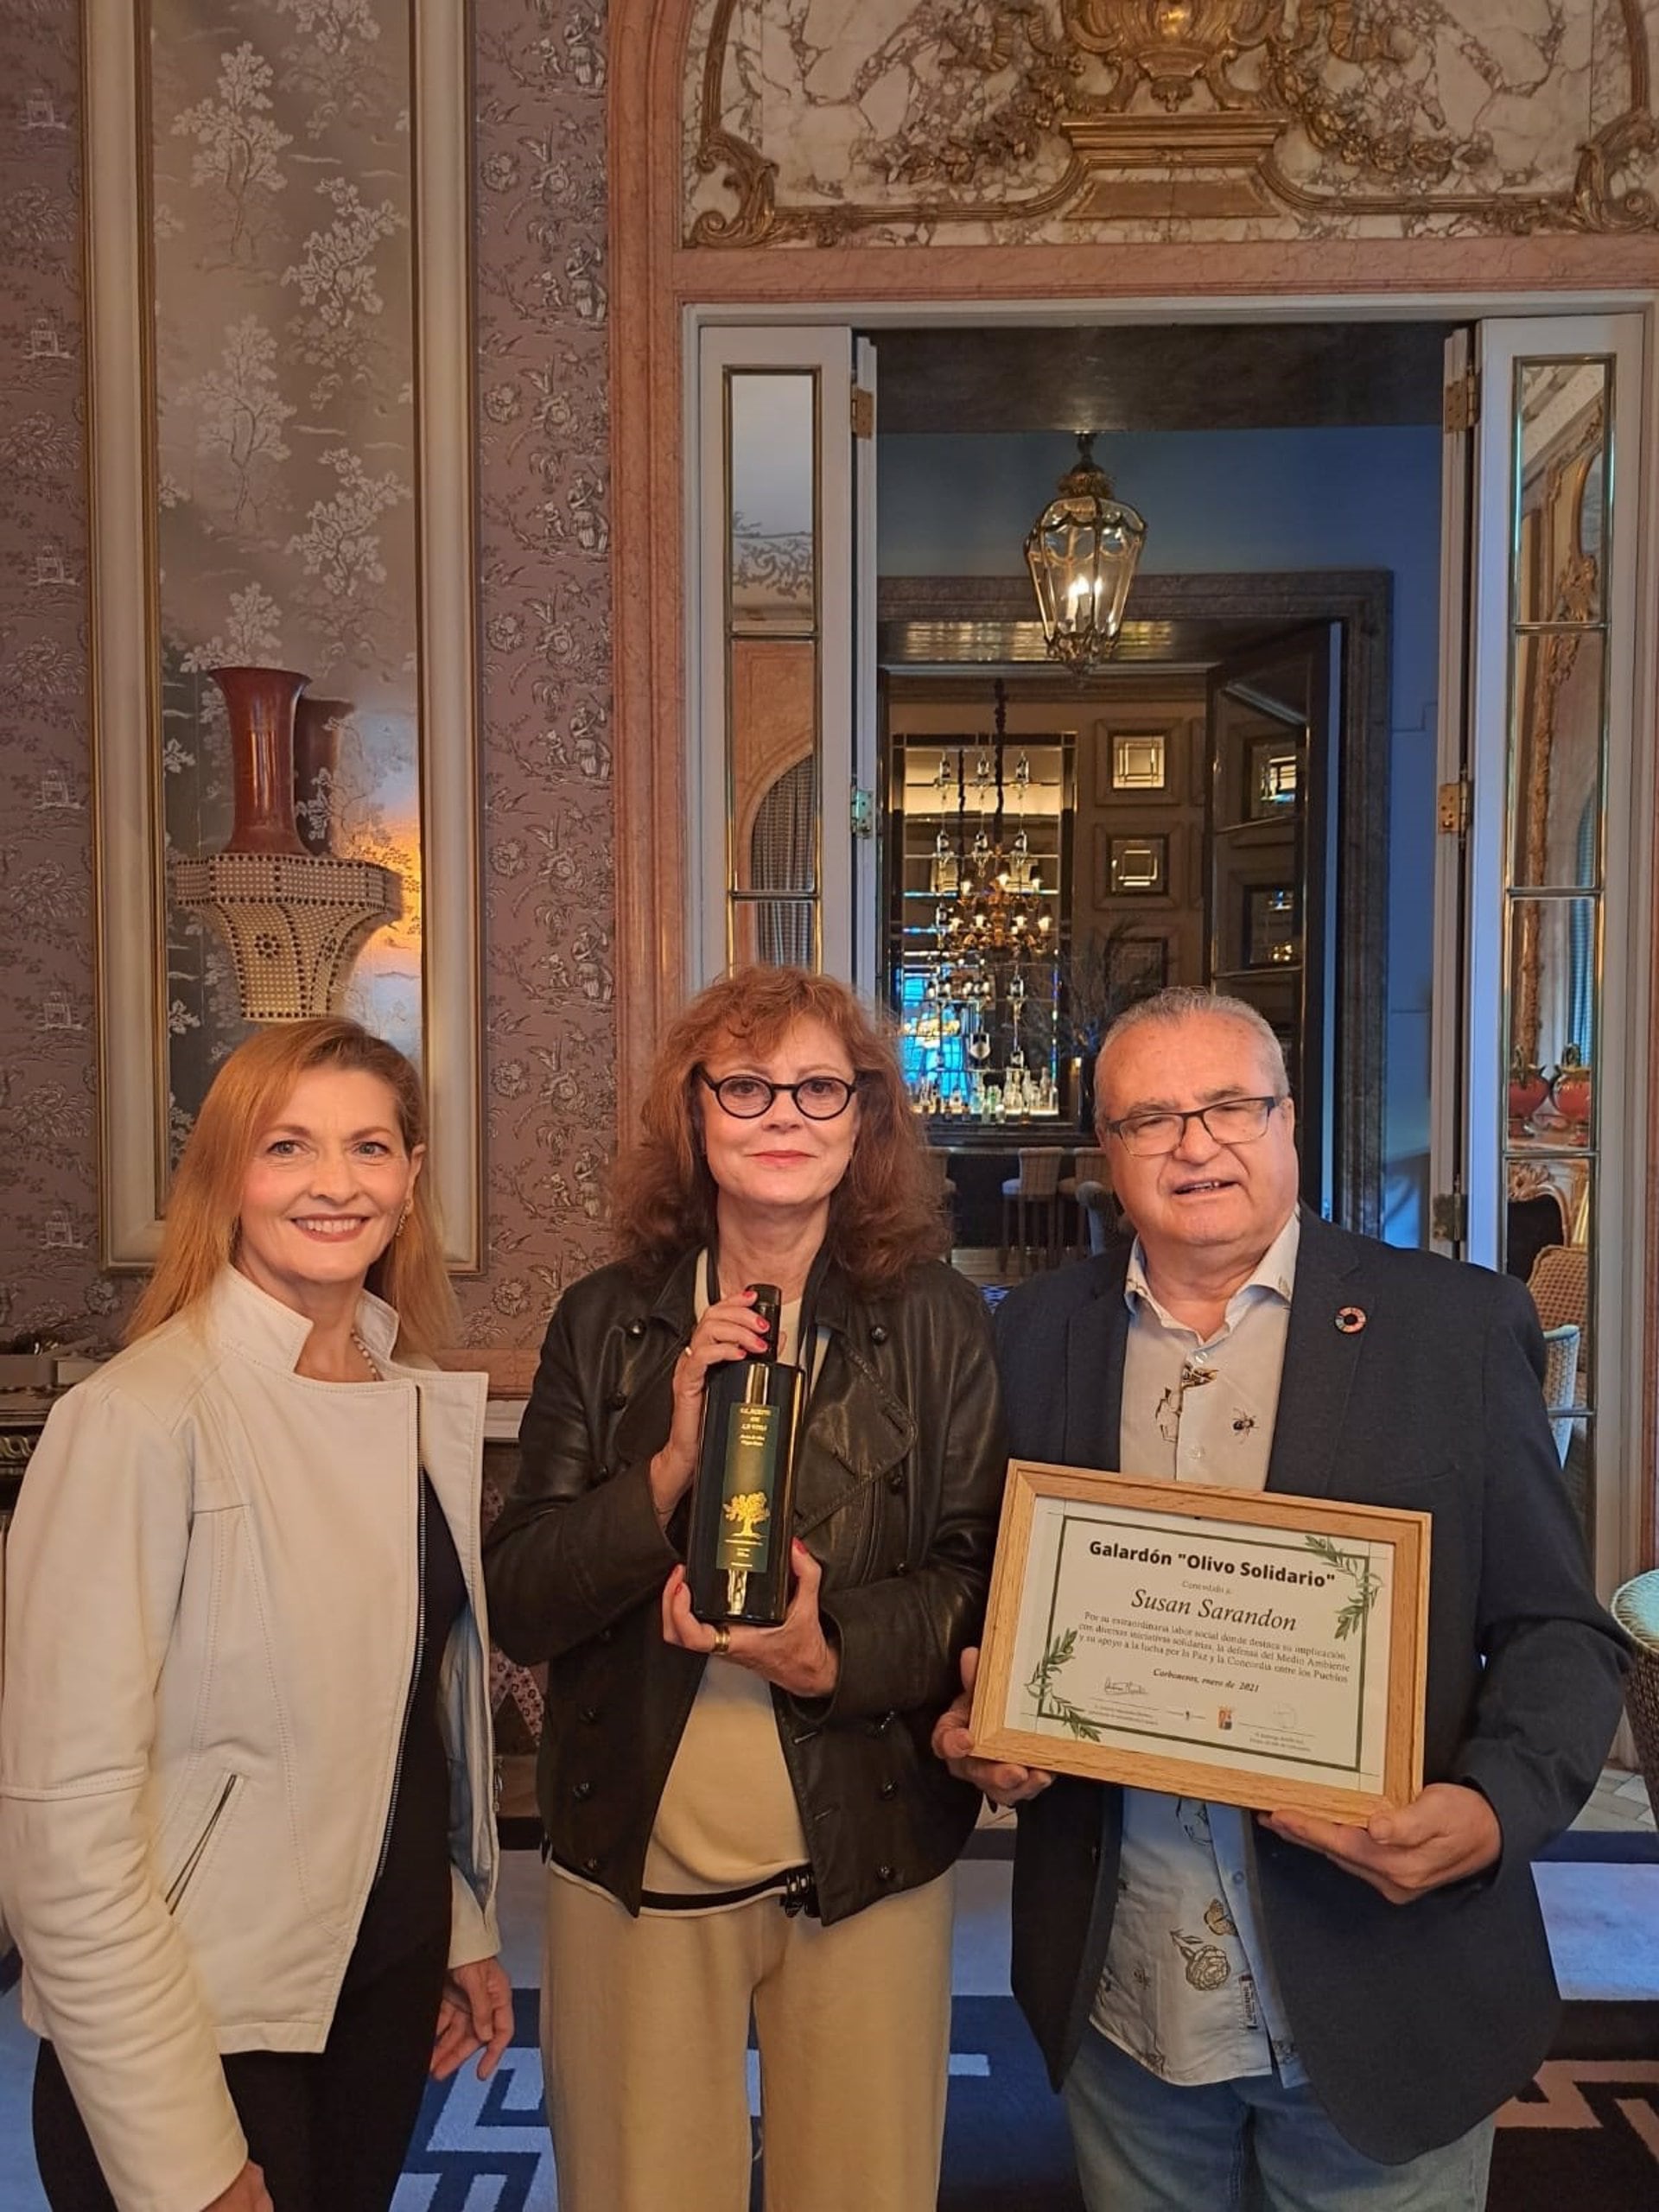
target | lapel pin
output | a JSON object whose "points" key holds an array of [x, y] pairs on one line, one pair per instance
{"points": [[1350, 1320]]}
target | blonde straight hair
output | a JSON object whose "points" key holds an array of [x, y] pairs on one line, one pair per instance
{"points": [[204, 1206]]}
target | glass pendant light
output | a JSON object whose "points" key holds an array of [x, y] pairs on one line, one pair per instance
{"points": [[1082, 551]]}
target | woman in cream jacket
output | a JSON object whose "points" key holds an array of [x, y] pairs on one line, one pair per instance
{"points": [[246, 1840]]}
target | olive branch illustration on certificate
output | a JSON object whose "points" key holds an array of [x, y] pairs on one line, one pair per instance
{"points": [[1368, 1584], [1049, 1702]]}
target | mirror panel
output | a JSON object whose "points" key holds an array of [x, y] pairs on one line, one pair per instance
{"points": [[1562, 414], [774, 803], [1561, 529], [772, 495], [774, 666], [1557, 680], [1555, 967]]}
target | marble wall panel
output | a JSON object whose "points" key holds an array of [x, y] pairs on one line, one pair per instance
{"points": [[905, 121]]}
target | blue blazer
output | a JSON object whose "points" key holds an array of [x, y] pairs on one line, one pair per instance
{"points": [[1413, 2021]]}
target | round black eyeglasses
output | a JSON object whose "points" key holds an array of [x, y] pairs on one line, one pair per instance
{"points": [[820, 1097]]}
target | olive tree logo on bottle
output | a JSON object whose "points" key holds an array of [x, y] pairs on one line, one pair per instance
{"points": [[751, 1477], [747, 1513]]}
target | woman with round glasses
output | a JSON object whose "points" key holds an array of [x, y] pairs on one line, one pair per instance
{"points": [[746, 1820]]}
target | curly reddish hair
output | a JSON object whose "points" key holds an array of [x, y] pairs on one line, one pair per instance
{"points": [[886, 1214]]}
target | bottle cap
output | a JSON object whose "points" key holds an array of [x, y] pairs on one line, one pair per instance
{"points": [[769, 1305]]}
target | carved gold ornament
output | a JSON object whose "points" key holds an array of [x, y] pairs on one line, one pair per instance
{"points": [[1171, 45], [1188, 110]]}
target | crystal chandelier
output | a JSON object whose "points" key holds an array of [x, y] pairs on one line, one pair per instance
{"points": [[1081, 552]]}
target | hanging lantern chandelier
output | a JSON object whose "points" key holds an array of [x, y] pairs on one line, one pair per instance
{"points": [[1081, 552]]}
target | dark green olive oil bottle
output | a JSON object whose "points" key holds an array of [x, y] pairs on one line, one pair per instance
{"points": [[743, 1498]]}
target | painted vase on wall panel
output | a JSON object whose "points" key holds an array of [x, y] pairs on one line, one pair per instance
{"points": [[281, 174]]}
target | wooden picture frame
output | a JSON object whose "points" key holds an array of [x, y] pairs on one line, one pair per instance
{"points": [[1297, 1626]]}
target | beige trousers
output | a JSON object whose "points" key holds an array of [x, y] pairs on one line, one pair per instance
{"points": [[645, 2034]]}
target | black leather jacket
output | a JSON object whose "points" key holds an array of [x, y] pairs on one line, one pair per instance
{"points": [[898, 1487]]}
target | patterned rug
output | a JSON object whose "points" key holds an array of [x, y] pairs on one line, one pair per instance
{"points": [[1586, 2134]]}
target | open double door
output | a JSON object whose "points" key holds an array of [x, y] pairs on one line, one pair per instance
{"points": [[1537, 1136], [1541, 1139]]}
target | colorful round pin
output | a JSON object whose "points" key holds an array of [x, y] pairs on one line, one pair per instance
{"points": [[1350, 1320]]}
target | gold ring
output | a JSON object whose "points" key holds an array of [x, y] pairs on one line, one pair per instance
{"points": [[722, 1641]]}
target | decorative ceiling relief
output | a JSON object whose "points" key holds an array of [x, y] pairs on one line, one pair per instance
{"points": [[820, 123]]}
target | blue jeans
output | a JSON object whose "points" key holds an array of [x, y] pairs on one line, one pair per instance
{"points": [[1247, 2146]]}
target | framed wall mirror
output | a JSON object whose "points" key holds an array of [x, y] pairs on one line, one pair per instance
{"points": [[282, 581]]}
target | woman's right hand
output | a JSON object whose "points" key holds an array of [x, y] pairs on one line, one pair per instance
{"points": [[729, 1329], [247, 2193]]}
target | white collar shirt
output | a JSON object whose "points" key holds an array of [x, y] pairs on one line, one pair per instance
{"points": [[1188, 1988]]}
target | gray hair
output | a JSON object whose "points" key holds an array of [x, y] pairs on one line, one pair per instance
{"points": [[1184, 1002]]}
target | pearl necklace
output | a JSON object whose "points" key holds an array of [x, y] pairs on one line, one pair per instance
{"points": [[367, 1358]]}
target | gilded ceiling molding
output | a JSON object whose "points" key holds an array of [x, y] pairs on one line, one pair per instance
{"points": [[1153, 111]]}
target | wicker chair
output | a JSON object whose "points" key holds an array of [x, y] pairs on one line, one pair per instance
{"points": [[1090, 1167], [1635, 1608], [1097, 1210], [946, 1189], [1559, 1283], [1032, 1200], [1561, 1380]]}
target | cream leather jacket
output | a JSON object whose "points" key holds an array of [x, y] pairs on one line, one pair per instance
{"points": [[211, 1622]]}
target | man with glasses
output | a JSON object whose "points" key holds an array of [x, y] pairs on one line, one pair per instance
{"points": [[1278, 2009]]}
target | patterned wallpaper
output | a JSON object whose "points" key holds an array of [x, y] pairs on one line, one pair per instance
{"points": [[544, 541], [545, 667], [48, 1232]]}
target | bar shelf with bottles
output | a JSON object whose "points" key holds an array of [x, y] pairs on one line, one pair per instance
{"points": [[979, 863]]}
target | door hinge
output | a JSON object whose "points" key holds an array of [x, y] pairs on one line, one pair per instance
{"points": [[862, 814], [1457, 804], [1462, 408], [1448, 1218], [863, 412]]}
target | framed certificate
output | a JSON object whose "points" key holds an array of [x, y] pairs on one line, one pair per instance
{"points": [[1247, 1646]]}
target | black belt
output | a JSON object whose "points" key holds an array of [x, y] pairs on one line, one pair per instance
{"points": [[794, 1887]]}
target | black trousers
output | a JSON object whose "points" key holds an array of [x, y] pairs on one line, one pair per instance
{"points": [[330, 2128]]}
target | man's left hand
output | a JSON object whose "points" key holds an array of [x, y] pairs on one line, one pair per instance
{"points": [[1447, 1834]]}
